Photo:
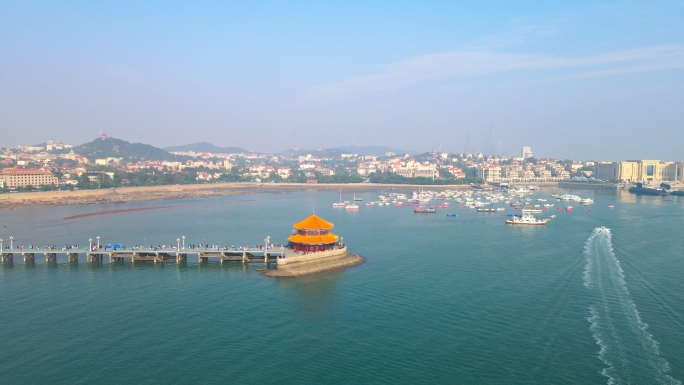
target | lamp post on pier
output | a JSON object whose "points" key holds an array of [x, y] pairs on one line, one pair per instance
{"points": [[98, 242], [1, 246], [266, 240], [90, 244], [178, 242], [11, 244]]}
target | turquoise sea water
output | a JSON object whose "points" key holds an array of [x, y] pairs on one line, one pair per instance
{"points": [[440, 299]]}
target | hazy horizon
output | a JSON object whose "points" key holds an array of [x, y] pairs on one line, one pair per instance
{"points": [[587, 80]]}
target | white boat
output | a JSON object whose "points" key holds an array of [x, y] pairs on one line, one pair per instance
{"points": [[532, 211], [340, 203], [526, 219], [352, 206], [568, 197]]}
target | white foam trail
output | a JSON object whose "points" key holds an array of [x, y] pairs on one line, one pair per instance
{"points": [[603, 273]]}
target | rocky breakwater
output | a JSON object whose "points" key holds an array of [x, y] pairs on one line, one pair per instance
{"points": [[298, 265]]}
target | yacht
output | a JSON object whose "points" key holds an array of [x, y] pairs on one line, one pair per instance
{"points": [[340, 203], [423, 210], [530, 209], [568, 197], [352, 206]]}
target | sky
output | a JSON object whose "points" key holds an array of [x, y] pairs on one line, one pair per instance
{"points": [[586, 80]]}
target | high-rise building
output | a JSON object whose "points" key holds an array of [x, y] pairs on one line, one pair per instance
{"points": [[526, 152]]}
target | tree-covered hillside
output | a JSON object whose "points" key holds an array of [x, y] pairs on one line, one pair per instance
{"points": [[117, 148]]}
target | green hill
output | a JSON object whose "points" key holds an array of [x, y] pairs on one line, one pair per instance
{"points": [[117, 148]]}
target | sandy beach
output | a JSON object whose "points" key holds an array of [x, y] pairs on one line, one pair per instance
{"points": [[12, 201]]}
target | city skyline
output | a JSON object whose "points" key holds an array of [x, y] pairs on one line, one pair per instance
{"points": [[592, 80]]}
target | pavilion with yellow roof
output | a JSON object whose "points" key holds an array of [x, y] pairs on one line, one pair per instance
{"points": [[313, 234]]}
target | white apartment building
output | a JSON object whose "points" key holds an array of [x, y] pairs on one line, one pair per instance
{"points": [[13, 178]]}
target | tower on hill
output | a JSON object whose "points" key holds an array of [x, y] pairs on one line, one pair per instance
{"points": [[526, 152]]}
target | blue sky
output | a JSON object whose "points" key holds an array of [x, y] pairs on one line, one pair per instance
{"points": [[587, 80]]}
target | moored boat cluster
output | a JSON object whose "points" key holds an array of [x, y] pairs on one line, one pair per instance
{"points": [[484, 201]]}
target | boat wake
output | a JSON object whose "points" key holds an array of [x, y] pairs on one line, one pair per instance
{"points": [[626, 347]]}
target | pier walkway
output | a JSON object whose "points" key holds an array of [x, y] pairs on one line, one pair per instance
{"points": [[155, 254]]}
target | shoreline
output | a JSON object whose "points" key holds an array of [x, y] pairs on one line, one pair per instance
{"points": [[13, 201]]}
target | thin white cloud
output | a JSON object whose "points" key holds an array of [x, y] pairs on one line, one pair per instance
{"points": [[464, 64]]}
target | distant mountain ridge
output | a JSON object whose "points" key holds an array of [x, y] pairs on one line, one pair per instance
{"points": [[206, 147], [118, 148], [336, 151], [372, 150]]}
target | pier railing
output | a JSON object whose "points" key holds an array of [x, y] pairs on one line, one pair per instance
{"points": [[141, 253]]}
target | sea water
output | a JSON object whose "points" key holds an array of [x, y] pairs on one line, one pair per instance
{"points": [[463, 299]]}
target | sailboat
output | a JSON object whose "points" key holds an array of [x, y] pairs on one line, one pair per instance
{"points": [[340, 203], [352, 206]]}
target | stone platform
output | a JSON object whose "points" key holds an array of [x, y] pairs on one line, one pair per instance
{"points": [[298, 266]]}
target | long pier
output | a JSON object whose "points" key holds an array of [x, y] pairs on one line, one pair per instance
{"points": [[156, 255]]}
